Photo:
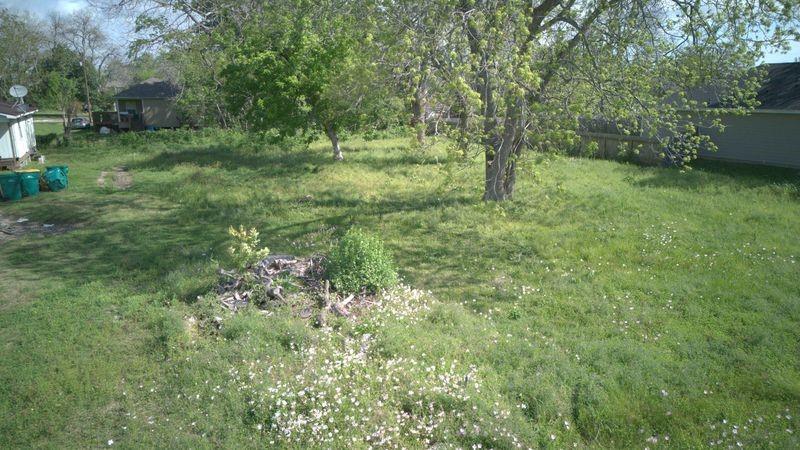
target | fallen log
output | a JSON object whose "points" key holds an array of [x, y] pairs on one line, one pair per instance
{"points": [[341, 307], [323, 310], [276, 293]]}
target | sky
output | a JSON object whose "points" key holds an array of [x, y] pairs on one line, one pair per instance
{"points": [[794, 54], [43, 7]]}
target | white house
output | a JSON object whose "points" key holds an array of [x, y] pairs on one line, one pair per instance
{"points": [[17, 137]]}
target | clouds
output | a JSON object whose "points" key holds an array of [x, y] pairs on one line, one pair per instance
{"points": [[43, 7]]}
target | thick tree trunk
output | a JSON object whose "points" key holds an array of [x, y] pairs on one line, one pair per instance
{"points": [[65, 119], [493, 189], [500, 181], [501, 165], [418, 113], [496, 175], [331, 132]]}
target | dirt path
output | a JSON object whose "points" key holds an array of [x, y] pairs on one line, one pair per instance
{"points": [[120, 178]]}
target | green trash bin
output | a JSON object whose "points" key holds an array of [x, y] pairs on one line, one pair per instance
{"points": [[64, 168], [56, 177], [10, 187], [29, 182]]}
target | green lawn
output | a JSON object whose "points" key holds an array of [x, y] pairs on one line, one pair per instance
{"points": [[43, 128], [608, 305]]}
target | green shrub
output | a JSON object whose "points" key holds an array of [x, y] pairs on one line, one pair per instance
{"points": [[46, 140], [245, 248], [360, 261]]}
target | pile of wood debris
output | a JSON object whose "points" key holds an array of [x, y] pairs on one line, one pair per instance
{"points": [[263, 284]]}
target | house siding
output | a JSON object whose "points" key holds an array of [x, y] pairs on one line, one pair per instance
{"points": [[17, 138], [160, 113], [759, 138], [766, 138], [6, 152]]}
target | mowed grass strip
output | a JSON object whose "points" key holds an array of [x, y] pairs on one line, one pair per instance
{"points": [[608, 305]]}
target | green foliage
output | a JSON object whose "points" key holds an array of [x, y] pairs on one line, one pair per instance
{"points": [[46, 140], [360, 261], [61, 93], [579, 302], [498, 77], [245, 248], [304, 68], [20, 41], [520, 75]]}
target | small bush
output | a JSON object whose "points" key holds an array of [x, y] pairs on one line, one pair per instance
{"points": [[360, 261], [47, 140], [245, 248]]}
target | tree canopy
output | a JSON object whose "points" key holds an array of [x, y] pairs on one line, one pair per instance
{"points": [[510, 76], [307, 66]]}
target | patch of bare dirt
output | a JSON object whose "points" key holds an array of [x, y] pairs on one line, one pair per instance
{"points": [[15, 227], [120, 177]]}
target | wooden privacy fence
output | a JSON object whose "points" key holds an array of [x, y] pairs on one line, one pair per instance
{"points": [[610, 146]]}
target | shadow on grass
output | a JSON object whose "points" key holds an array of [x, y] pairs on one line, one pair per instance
{"points": [[144, 246], [732, 175], [137, 250], [395, 161], [178, 221], [269, 161]]}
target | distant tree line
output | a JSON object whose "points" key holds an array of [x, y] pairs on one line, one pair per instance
{"points": [[67, 62], [512, 77]]}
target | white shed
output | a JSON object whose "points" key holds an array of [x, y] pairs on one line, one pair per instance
{"points": [[17, 136]]}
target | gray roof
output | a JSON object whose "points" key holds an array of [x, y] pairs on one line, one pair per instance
{"points": [[780, 89], [150, 88], [9, 110]]}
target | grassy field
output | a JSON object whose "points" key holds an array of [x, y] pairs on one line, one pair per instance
{"points": [[608, 305], [43, 128]]}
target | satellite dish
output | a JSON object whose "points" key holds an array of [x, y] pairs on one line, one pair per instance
{"points": [[18, 91]]}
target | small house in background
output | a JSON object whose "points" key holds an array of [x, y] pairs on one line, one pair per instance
{"points": [[770, 134], [17, 136], [147, 105]]}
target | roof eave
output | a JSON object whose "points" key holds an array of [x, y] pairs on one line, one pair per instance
{"points": [[790, 112], [26, 113], [143, 98]]}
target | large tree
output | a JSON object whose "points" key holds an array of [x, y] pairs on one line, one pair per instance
{"points": [[306, 66], [20, 53], [83, 33], [526, 72], [195, 42], [61, 93]]}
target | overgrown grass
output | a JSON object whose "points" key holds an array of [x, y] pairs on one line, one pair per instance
{"points": [[608, 305]]}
